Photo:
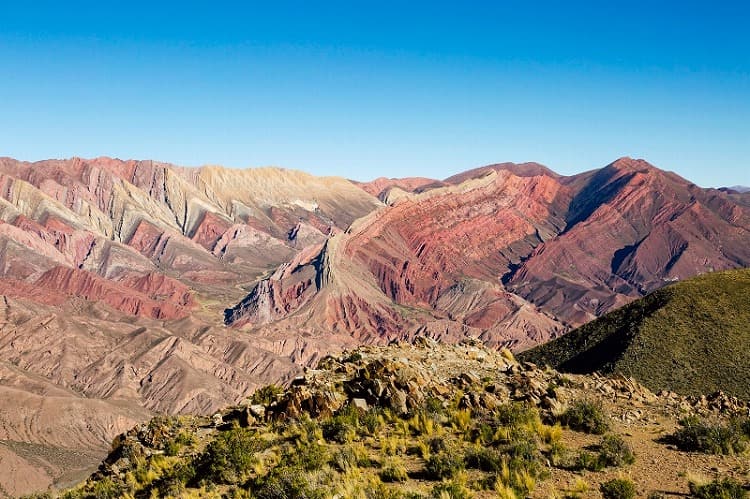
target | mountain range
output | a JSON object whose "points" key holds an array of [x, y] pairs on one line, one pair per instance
{"points": [[135, 287]]}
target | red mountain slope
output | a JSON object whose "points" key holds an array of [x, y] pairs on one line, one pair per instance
{"points": [[513, 254]]}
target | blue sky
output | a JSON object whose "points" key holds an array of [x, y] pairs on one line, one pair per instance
{"points": [[364, 89]]}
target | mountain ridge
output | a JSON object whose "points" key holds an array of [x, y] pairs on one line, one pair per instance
{"points": [[630, 227]]}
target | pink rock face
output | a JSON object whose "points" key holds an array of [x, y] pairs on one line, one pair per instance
{"points": [[631, 229], [132, 223], [210, 229], [142, 299], [417, 250], [148, 239], [159, 287]]}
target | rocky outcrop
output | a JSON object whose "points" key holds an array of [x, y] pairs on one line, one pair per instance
{"points": [[290, 287]]}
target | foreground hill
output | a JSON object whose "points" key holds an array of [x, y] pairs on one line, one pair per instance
{"points": [[436, 421], [691, 337]]}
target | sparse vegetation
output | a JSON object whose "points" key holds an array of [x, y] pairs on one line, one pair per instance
{"points": [[724, 488], [587, 416], [697, 435], [618, 488]]}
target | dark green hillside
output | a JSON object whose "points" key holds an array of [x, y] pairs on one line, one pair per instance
{"points": [[692, 337]]}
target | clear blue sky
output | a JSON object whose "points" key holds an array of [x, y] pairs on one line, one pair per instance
{"points": [[364, 89]]}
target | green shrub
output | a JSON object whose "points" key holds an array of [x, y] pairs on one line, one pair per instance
{"points": [[618, 488], [483, 434], [560, 456], [371, 421], [443, 465], [309, 456], [434, 406], [337, 430], [725, 488], [171, 487], [344, 459], [353, 358], [588, 461], [522, 445], [305, 429], [394, 471], [484, 459], [744, 426], [172, 448], [515, 414], [614, 451], [267, 395], [285, 483], [342, 427], [177, 477], [696, 435], [587, 416], [437, 444], [229, 456]]}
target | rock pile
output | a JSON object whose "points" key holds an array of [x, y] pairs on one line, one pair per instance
{"points": [[408, 377]]}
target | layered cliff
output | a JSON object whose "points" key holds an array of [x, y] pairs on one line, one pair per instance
{"points": [[512, 254]]}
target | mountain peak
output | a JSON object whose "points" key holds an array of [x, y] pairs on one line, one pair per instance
{"points": [[529, 169], [632, 164]]}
